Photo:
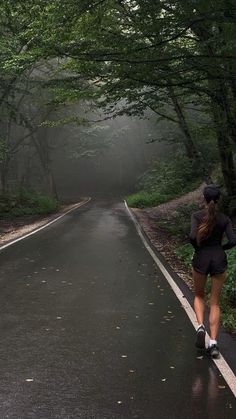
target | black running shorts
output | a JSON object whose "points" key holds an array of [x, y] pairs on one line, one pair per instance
{"points": [[210, 260]]}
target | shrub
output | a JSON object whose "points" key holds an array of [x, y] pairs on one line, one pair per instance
{"points": [[145, 199], [185, 253], [44, 204], [166, 180], [26, 203], [230, 284], [174, 176]]}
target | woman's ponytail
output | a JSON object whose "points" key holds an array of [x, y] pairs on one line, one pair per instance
{"points": [[208, 223]]}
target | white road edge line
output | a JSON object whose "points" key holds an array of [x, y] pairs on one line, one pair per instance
{"points": [[221, 363], [45, 225]]}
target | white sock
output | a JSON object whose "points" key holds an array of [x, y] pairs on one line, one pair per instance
{"points": [[212, 342]]}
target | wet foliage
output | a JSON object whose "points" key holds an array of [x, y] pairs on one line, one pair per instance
{"points": [[25, 203], [165, 180]]}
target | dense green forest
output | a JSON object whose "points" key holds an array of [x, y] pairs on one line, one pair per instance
{"points": [[174, 58]]}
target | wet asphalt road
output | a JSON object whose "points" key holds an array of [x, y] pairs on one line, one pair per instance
{"points": [[90, 329]]}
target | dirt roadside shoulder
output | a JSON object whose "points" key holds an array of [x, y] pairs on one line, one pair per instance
{"points": [[164, 243], [19, 227]]}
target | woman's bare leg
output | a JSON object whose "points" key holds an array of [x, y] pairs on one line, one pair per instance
{"points": [[199, 300], [217, 282]]}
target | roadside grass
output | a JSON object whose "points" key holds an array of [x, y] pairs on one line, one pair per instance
{"points": [[144, 199], [26, 204], [147, 199]]}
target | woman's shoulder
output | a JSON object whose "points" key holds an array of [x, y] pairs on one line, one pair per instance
{"points": [[224, 218]]}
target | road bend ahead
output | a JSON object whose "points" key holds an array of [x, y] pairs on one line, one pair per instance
{"points": [[90, 329]]}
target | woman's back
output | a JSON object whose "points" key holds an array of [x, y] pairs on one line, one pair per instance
{"points": [[222, 225]]}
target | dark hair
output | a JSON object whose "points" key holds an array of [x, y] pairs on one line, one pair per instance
{"points": [[211, 194]]}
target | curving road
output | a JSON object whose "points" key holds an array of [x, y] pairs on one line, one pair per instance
{"points": [[90, 329]]}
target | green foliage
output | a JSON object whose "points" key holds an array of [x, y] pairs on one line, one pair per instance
{"points": [[185, 253], [180, 221], [102, 51], [167, 180], [26, 203], [176, 175], [146, 199], [230, 284], [228, 315]]}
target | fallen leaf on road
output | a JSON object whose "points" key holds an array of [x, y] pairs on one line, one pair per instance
{"points": [[221, 386], [163, 379], [29, 380]]}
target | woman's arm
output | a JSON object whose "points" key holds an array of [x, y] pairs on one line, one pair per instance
{"points": [[230, 236], [193, 232]]}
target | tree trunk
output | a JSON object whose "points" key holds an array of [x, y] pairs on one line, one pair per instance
{"points": [[51, 183], [225, 152], [222, 114], [4, 177], [191, 150], [43, 153]]}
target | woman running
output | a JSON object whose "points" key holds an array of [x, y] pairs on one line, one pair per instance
{"points": [[207, 229]]}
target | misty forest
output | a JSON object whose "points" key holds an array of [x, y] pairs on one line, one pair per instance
{"points": [[127, 99]]}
